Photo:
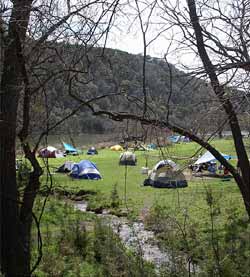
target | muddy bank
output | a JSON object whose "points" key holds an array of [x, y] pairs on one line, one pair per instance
{"points": [[61, 193]]}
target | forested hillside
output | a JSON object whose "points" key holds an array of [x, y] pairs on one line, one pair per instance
{"points": [[113, 71]]}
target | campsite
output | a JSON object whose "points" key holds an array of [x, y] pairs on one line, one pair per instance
{"points": [[120, 192], [139, 196], [124, 138]]}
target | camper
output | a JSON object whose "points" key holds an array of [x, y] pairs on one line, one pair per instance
{"points": [[166, 174], [127, 158]]}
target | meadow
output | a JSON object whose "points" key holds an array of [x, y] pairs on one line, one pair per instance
{"points": [[128, 180], [204, 223]]}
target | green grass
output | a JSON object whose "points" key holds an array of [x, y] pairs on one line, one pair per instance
{"points": [[139, 197], [188, 207], [78, 244]]}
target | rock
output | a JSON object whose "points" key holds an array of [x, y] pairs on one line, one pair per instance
{"points": [[81, 206], [105, 211], [76, 198], [97, 210]]}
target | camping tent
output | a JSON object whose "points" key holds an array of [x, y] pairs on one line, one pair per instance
{"points": [[116, 148], [208, 157], [66, 167], [166, 174], [127, 158], [50, 152], [92, 151], [174, 138], [69, 149], [85, 170], [152, 146]]}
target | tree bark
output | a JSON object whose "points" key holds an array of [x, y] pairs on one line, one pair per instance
{"points": [[10, 238], [12, 246]]}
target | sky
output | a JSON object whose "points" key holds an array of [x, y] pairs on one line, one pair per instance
{"points": [[133, 43], [126, 35]]}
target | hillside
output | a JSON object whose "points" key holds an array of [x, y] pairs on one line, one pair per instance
{"points": [[188, 99]]}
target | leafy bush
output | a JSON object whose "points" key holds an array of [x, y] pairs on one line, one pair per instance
{"points": [[77, 244], [115, 259], [216, 245]]}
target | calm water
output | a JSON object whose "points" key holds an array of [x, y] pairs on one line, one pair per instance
{"points": [[81, 140]]}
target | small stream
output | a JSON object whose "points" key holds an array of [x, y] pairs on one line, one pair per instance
{"points": [[134, 235]]}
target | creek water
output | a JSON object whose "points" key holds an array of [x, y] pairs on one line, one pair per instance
{"points": [[134, 235]]}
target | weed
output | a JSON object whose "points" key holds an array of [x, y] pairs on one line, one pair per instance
{"points": [[114, 197]]}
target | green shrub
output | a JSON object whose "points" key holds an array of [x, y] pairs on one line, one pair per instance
{"points": [[218, 243], [115, 259]]}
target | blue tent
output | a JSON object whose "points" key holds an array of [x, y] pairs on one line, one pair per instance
{"points": [[174, 139], [85, 170], [92, 151], [152, 146]]}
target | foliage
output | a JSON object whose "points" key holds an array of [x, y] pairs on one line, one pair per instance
{"points": [[77, 244], [113, 256], [215, 245], [23, 171], [118, 70]]}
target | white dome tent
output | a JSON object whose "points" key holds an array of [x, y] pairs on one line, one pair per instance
{"points": [[166, 174]]}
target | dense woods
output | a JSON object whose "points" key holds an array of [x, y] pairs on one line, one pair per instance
{"points": [[115, 71]]}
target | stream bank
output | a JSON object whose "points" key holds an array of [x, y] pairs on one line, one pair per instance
{"points": [[136, 237]]}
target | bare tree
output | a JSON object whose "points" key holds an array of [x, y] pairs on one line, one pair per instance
{"points": [[34, 53], [217, 35]]}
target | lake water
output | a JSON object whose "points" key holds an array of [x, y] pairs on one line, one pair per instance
{"points": [[82, 140]]}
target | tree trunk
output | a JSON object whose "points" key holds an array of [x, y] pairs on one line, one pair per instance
{"points": [[11, 243], [243, 181], [12, 246], [26, 217], [10, 237]]}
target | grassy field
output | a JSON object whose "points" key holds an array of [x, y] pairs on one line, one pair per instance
{"points": [[198, 221], [139, 197]]}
